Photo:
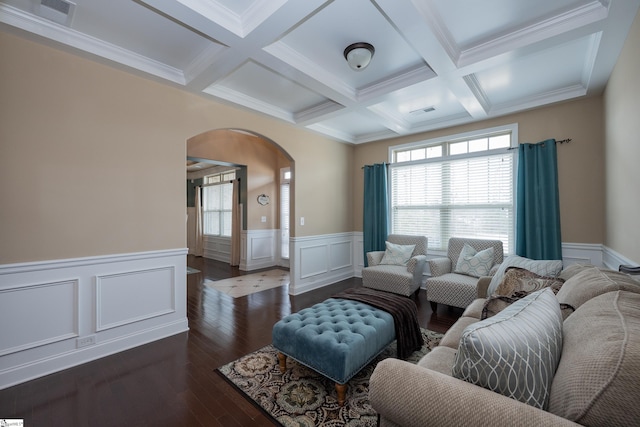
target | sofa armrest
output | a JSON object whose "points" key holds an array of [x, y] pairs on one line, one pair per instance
{"points": [[374, 258], [483, 286], [439, 266], [409, 395]]}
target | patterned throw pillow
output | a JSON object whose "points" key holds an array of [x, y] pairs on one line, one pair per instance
{"points": [[473, 263], [516, 284], [397, 254], [516, 352], [542, 267]]}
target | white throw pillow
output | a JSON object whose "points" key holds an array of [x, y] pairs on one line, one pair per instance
{"points": [[516, 352], [473, 263], [397, 254], [548, 268]]}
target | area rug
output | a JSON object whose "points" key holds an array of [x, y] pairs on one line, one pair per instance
{"points": [[301, 396], [250, 283]]}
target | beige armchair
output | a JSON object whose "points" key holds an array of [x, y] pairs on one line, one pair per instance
{"points": [[445, 286], [400, 279]]}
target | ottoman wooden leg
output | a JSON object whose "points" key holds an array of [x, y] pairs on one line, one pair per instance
{"points": [[342, 391], [282, 362]]}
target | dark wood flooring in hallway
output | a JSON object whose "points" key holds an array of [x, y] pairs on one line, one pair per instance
{"points": [[171, 382]]}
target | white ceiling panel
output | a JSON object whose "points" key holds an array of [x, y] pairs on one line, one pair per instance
{"points": [[257, 82], [159, 38], [473, 22], [544, 73], [468, 60], [359, 126]]}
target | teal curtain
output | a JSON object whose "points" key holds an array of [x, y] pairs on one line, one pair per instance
{"points": [[538, 202], [376, 217]]}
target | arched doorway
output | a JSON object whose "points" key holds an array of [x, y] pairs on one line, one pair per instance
{"points": [[263, 162]]}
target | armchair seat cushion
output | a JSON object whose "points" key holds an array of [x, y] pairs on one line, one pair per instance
{"points": [[454, 289], [386, 277]]}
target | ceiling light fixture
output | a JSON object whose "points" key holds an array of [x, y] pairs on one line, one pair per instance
{"points": [[358, 55]]}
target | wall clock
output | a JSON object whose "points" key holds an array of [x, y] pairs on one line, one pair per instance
{"points": [[263, 199]]}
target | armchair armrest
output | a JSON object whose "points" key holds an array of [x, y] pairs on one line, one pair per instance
{"points": [[409, 395], [416, 264], [374, 258], [439, 266]]}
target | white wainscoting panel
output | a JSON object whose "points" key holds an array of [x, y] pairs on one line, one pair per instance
{"points": [[340, 253], [218, 248], [314, 260], [318, 261], [134, 296], [61, 313], [258, 249], [581, 253], [52, 315]]}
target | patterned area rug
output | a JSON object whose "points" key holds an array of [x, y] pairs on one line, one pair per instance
{"points": [[250, 283], [303, 398]]}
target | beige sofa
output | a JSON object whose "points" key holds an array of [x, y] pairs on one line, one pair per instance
{"points": [[597, 381]]}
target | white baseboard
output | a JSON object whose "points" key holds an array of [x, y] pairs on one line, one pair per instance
{"points": [[64, 313], [612, 259]]}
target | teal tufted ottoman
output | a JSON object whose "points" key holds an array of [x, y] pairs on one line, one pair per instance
{"points": [[336, 338]]}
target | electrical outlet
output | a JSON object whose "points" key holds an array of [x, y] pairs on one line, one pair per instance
{"points": [[85, 341], [301, 220]]}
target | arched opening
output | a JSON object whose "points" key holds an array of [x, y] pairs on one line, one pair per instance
{"points": [[259, 163]]}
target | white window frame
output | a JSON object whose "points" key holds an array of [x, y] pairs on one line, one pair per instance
{"points": [[285, 212], [445, 141], [218, 179]]}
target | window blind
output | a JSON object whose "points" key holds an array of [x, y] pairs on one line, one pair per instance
{"points": [[458, 197], [216, 215], [284, 220]]}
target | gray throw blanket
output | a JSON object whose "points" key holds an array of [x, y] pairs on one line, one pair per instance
{"points": [[403, 310]]}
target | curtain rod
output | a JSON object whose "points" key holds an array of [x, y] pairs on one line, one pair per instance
{"points": [[562, 141], [383, 163]]}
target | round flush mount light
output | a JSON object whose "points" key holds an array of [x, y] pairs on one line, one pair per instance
{"points": [[358, 55]]}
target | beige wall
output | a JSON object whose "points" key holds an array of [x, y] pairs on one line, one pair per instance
{"points": [[580, 165], [92, 159], [622, 150]]}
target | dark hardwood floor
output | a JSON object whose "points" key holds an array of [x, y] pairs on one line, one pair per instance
{"points": [[172, 382]]}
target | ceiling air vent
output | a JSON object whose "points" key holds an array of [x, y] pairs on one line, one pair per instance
{"points": [[60, 11], [423, 110]]}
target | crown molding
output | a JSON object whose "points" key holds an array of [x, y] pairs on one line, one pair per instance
{"points": [[72, 38]]}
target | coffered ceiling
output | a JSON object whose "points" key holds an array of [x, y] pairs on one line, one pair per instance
{"points": [[437, 63]]}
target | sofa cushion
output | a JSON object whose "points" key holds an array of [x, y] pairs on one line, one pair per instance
{"points": [[541, 267], [397, 254], [516, 352], [474, 263], [596, 382], [593, 281]]}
